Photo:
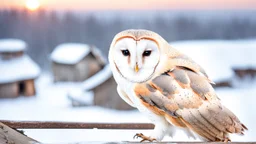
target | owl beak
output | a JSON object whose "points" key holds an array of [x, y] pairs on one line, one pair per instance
{"points": [[136, 68]]}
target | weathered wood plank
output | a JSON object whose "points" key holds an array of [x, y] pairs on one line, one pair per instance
{"points": [[74, 125], [11, 136]]}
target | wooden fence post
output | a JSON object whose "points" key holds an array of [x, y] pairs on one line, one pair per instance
{"points": [[11, 136]]}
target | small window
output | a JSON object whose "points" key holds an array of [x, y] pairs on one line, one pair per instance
{"points": [[22, 88]]}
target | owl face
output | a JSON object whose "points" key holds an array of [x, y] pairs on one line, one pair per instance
{"points": [[136, 61]]}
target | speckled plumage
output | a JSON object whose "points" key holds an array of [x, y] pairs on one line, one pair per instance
{"points": [[176, 91]]}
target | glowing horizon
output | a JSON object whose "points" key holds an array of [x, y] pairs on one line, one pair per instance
{"points": [[134, 4], [32, 4]]}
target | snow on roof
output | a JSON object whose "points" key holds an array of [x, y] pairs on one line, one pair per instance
{"points": [[213, 56], [12, 45], [81, 97], [97, 79], [70, 53], [18, 69]]}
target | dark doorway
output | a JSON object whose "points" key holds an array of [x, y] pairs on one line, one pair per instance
{"points": [[22, 88]]}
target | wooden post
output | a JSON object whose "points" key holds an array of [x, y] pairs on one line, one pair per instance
{"points": [[11, 136]]}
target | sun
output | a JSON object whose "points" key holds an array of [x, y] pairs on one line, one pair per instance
{"points": [[32, 4]]}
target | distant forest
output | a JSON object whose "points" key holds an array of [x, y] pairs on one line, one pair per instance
{"points": [[44, 30]]}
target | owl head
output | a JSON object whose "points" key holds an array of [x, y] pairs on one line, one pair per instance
{"points": [[136, 54]]}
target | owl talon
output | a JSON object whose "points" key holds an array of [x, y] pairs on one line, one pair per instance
{"points": [[137, 135], [144, 138], [227, 140]]}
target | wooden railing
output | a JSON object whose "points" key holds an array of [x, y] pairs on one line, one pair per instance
{"points": [[74, 125], [10, 135]]}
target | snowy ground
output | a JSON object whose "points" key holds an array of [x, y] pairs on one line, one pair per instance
{"points": [[51, 104]]}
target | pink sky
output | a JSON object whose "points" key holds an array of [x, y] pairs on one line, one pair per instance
{"points": [[136, 4]]}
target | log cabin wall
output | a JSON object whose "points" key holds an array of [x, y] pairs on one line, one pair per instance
{"points": [[92, 65], [243, 73], [106, 95], [9, 90], [15, 89], [77, 72], [63, 72], [82, 69], [11, 55]]}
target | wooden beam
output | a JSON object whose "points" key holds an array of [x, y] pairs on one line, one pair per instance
{"points": [[74, 125], [11, 136]]}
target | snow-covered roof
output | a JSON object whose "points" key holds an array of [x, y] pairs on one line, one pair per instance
{"points": [[70, 53], [81, 97], [12, 45], [218, 57], [97, 79], [18, 69]]}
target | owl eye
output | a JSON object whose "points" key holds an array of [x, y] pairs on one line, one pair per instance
{"points": [[146, 53], [125, 52]]}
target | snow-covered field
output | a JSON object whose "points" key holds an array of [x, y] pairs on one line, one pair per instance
{"points": [[51, 104]]}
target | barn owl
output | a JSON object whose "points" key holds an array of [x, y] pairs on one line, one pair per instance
{"points": [[168, 87]]}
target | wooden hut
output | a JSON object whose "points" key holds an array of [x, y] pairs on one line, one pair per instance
{"points": [[75, 62], [243, 73], [103, 86], [17, 70]]}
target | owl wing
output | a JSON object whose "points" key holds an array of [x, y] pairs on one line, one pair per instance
{"points": [[184, 61], [186, 99]]}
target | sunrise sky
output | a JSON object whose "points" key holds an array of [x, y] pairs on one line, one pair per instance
{"points": [[134, 4]]}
